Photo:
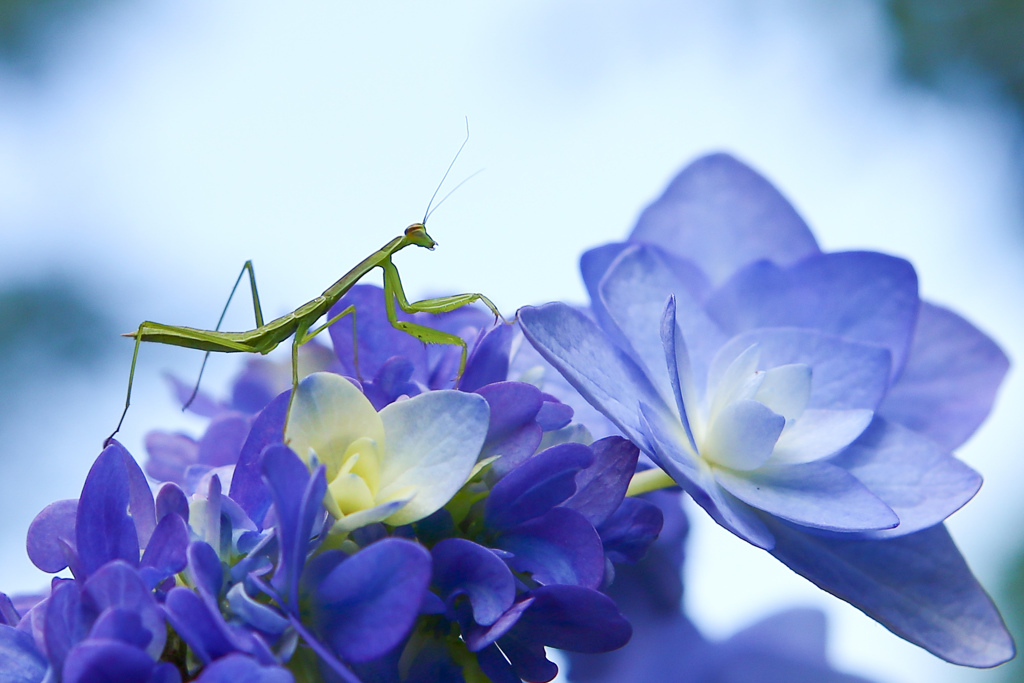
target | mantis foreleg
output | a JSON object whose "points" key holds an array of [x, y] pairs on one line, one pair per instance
{"points": [[247, 266], [393, 292]]}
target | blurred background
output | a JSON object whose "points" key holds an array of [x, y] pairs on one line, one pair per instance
{"points": [[148, 149]]}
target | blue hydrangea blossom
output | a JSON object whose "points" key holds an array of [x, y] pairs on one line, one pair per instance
{"points": [[808, 401]]}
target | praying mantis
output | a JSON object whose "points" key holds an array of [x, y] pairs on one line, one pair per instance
{"points": [[267, 336]]}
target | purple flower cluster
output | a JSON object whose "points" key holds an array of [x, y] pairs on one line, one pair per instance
{"points": [[236, 568]]}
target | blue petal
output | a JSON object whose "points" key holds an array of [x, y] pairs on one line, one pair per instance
{"points": [[922, 483], [814, 494], [950, 380], [165, 555], [917, 586], [722, 214], [865, 297], [368, 603], [573, 618], [629, 532], [377, 339]]}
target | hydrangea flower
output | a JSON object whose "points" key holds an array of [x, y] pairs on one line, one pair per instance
{"points": [[808, 401]]}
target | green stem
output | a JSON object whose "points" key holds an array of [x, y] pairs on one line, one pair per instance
{"points": [[649, 480]]}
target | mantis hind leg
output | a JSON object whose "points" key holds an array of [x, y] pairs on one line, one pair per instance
{"points": [[393, 292], [131, 378], [247, 266]]}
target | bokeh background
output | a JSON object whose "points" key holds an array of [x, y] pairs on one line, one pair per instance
{"points": [[148, 149]]}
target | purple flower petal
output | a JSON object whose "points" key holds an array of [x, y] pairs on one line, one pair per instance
{"points": [[103, 660], [722, 215], [222, 442], [51, 535], [235, 668], [560, 547], [247, 488], [119, 586], [536, 486], [950, 379], [462, 567], [864, 297], [368, 603], [165, 555], [601, 487], [573, 618], [377, 339], [103, 529], [917, 586], [629, 532], [170, 499], [922, 483], [298, 499], [814, 494], [22, 662], [488, 363], [169, 455]]}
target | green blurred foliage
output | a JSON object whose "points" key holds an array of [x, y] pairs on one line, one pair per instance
{"points": [[29, 27], [1010, 599], [50, 327], [941, 40]]}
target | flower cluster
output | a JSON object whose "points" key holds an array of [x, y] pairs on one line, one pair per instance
{"points": [[391, 523], [386, 529]]}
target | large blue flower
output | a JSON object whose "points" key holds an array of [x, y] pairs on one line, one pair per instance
{"points": [[808, 401]]}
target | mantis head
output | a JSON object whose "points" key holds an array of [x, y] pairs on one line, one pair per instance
{"points": [[417, 234]]}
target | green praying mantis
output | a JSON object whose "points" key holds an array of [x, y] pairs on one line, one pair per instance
{"points": [[267, 336]]}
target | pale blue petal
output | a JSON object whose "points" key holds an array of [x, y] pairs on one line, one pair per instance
{"points": [[603, 374], [865, 297], [818, 434], [696, 479], [844, 374], [917, 586], [814, 494], [433, 441], [920, 481], [742, 435], [950, 380], [722, 214], [634, 292]]}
